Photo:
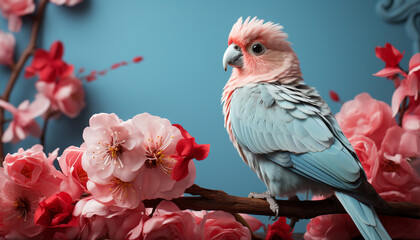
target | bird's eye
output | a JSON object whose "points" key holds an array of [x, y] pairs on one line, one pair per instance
{"points": [[257, 48]]}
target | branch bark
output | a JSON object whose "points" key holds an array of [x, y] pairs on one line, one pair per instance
{"points": [[17, 68], [208, 199]]}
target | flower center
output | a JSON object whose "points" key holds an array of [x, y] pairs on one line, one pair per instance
{"points": [[391, 166], [110, 152], [120, 188], [22, 207], [154, 159], [115, 151], [27, 171]]}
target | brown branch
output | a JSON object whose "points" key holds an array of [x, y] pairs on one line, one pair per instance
{"points": [[219, 200], [29, 50], [48, 116]]}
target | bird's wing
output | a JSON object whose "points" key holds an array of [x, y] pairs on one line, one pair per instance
{"points": [[273, 120]]}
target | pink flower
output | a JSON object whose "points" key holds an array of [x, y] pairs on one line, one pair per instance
{"points": [[392, 57], [159, 144], [337, 226], [14, 9], [367, 152], [393, 170], [56, 211], [398, 227], [365, 116], [279, 230], [116, 192], [23, 122], [66, 95], [17, 208], [187, 149], [71, 166], [48, 65], [69, 3], [111, 149], [411, 120], [168, 222], [253, 222], [31, 168], [7, 48], [97, 220], [409, 86], [222, 225]]}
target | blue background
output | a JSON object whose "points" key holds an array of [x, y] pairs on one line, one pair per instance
{"points": [[181, 77]]}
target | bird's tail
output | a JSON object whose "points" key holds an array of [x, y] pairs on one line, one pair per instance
{"points": [[364, 217]]}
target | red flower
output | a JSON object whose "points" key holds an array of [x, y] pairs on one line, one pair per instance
{"points": [[334, 96], [49, 65], [56, 211], [280, 230], [187, 149], [392, 57]]}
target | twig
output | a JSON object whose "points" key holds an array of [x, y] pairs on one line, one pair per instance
{"points": [[219, 200], [37, 20], [401, 111], [44, 128]]}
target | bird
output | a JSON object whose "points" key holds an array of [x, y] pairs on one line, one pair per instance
{"points": [[285, 132]]}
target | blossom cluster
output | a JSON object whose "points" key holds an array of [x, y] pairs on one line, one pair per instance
{"points": [[102, 184], [59, 91], [389, 152]]}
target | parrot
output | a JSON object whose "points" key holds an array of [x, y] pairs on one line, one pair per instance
{"points": [[285, 132]]}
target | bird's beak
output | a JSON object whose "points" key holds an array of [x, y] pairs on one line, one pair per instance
{"points": [[233, 56]]}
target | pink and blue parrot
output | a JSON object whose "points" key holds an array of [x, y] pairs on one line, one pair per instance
{"points": [[285, 131]]}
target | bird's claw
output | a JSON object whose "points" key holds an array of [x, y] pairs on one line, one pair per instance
{"points": [[270, 199]]}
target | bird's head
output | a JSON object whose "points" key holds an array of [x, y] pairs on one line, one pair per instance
{"points": [[259, 51]]}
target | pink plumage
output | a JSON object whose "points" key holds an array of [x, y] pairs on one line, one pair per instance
{"points": [[268, 67]]}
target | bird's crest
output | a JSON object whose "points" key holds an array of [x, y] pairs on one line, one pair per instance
{"points": [[245, 32]]}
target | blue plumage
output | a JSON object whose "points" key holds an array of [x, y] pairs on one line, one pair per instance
{"points": [[289, 137]]}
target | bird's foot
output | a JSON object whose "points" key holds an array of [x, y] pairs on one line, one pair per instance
{"points": [[293, 220], [270, 199]]}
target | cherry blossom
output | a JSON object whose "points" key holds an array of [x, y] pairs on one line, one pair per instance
{"points": [[23, 122]]}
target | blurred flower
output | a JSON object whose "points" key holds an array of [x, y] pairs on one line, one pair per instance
{"points": [[7, 48], [187, 149], [223, 225], [14, 9], [48, 65], [111, 149], [17, 208], [66, 95], [280, 230], [409, 86], [365, 116], [23, 122], [32, 168], [337, 226], [98, 221], [367, 152], [393, 170], [76, 178], [168, 222], [56, 211], [69, 3], [411, 120], [159, 144], [392, 57], [253, 222]]}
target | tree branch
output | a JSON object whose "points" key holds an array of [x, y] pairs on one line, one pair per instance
{"points": [[218, 200], [29, 50]]}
